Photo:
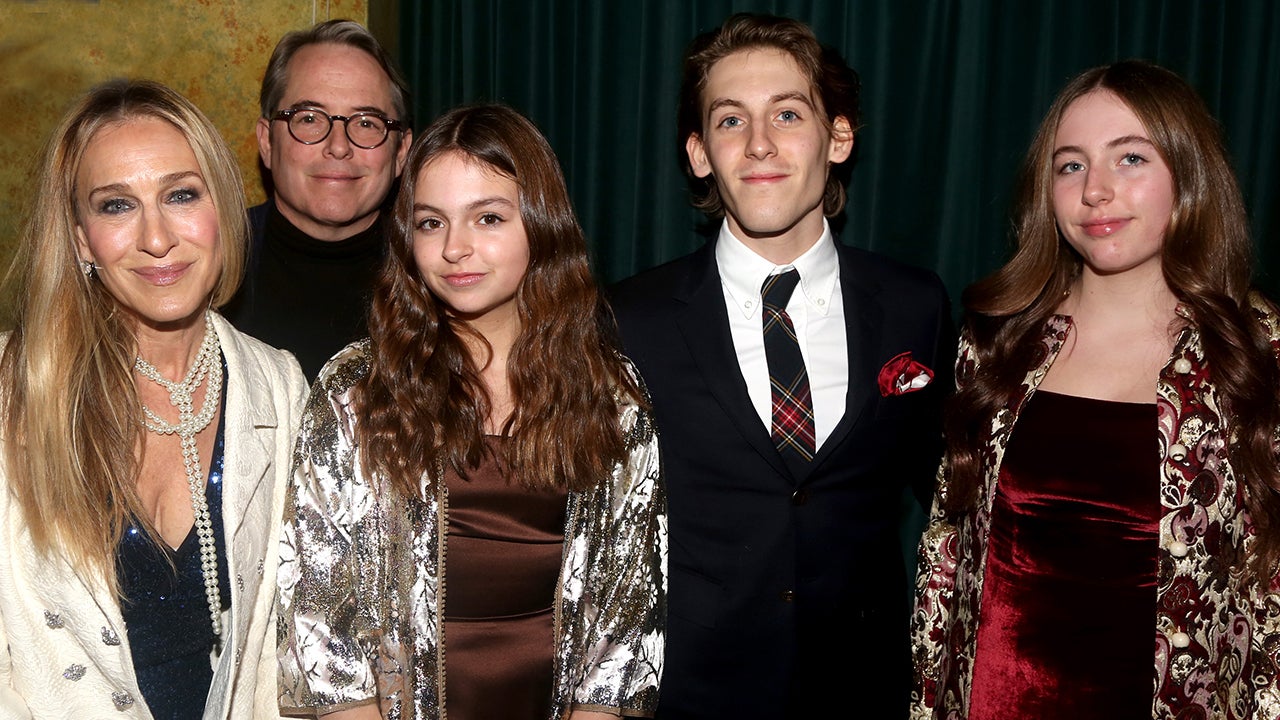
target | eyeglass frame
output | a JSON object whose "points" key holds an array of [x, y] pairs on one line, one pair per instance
{"points": [[288, 113]]}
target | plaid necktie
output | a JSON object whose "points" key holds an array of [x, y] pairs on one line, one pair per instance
{"points": [[792, 429]]}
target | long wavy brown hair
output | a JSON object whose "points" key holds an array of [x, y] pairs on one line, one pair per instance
{"points": [[1207, 261], [423, 406]]}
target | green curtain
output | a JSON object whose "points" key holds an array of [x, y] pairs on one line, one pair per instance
{"points": [[952, 92]]}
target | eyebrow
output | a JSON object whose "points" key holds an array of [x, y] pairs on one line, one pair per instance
{"points": [[1125, 140], [473, 205], [773, 100], [301, 104], [165, 180]]}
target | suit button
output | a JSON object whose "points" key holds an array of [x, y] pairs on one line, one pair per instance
{"points": [[788, 595], [800, 497]]}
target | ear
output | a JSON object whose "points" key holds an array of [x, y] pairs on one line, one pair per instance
{"points": [[841, 140], [263, 130], [697, 155], [402, 152], [82, 246]]}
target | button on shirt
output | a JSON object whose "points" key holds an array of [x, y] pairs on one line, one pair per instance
{"points": [[816, 310]]}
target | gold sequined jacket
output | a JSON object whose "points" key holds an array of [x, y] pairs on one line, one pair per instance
{"points": [[1216, 636], [362, 568]]}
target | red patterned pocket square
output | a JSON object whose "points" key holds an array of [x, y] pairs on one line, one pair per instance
{"points": [[902, 375]]}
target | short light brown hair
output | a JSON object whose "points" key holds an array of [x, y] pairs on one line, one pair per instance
{"points": [[835, 88], [335, 32]]}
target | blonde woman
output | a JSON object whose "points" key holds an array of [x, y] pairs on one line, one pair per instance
{"points": [[145, 440]]}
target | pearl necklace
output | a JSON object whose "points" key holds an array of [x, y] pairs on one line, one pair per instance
{"points": [[206, 365]]}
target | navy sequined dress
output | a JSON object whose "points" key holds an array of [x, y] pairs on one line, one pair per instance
{"points": [[167, 617]]}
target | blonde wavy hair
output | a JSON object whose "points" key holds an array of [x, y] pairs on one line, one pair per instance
{"points": [[72, 417]]}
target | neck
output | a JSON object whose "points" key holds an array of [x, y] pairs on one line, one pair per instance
{"points": [[324, 231], [1134, 297], [781, 248], [171, 350]]}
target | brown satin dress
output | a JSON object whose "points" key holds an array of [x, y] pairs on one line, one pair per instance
{"points": [[501, 572], [1069, 594]]}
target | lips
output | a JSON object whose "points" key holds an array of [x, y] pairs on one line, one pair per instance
{"points": [[463, 279], [1102, 227], [763, 178], [163, 274]]}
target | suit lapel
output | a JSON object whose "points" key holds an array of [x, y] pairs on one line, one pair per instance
{"points": [[864, 326], [246, 495], [705, 326], [251, 426]]}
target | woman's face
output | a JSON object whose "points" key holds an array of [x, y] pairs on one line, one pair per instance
{"points": [[146, 218], [1113, 194], [469, 241]]}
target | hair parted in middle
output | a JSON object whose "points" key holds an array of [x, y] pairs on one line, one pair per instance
{"points": [[71, 414], [423, 405], [1206, 258], [833, 85]]}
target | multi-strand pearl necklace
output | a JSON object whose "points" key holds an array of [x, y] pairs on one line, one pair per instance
{"points": [[208, 364]]}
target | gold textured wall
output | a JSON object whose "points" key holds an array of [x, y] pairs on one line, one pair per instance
{"points": [[212, 51]]}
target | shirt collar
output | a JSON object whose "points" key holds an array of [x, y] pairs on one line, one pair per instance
{"points": [[742, 271]]}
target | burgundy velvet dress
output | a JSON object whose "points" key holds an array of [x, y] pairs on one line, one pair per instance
{"points": [[1069, 592], [501, 571]]}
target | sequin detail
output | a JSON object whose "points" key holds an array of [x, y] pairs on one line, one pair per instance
{"points": [[73, 672], [354, 551], [122, 700], [53, 620], [109, 637]]}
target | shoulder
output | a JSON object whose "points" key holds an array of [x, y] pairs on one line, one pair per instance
{"points": [[345, 369], [1267, 313], [246, 350], [657, 283], [889, 274]]}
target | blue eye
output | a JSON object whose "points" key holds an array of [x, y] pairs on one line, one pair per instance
{"points": [[115, 206], [184, 195], [788, 116], [1070, 167], [1132, 159], [731, 122]]}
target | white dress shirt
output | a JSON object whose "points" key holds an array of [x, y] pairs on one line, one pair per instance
{"points": [[817, 312]]}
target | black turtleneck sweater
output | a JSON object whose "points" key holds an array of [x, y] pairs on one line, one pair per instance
{"points": [[307, 296]]}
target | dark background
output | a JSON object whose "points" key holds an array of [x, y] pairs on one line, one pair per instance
{"points": [[952, 92]]}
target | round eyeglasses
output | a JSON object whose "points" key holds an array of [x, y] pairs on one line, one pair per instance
{"points": [[365, 130]]}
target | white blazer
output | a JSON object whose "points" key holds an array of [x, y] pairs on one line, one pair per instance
{"points": [[64, 652]]}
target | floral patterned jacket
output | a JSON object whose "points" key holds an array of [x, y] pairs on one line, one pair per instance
{"points": [[1216, 636], [362, 568]]}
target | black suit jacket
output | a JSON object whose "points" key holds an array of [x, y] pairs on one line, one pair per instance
{"points": [[788, 594]]}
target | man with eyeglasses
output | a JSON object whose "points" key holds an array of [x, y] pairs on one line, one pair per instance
{"points": [[333, 136]]}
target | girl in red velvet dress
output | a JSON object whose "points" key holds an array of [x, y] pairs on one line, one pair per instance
{"points": [[1110, 483]]}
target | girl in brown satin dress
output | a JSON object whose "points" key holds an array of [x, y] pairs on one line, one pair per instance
{"points": [[477, 522]]}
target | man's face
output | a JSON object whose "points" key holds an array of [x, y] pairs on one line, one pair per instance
{"points": [[766, 146], [333, 189]]}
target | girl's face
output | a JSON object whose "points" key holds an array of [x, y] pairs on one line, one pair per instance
{"points": [[469, 241], [1113, 194]]}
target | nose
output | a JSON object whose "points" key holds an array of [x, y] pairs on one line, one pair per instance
{"points": [[1097, 187], [760, 141], [457, 246], [338, 145], [155, 239]]}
